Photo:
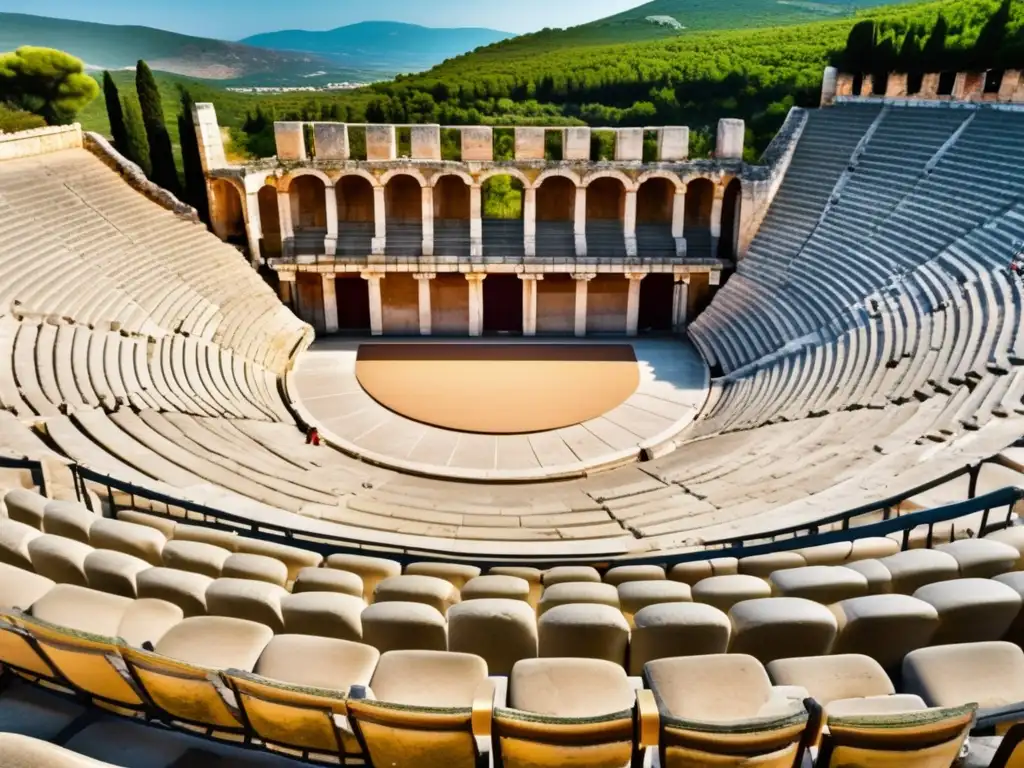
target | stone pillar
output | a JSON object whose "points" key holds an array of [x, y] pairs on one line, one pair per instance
{"points": [[581, 302], [929, 86], [680, 303], [867, 86], [428, 219], [330, 303], [731, 135], [679, 221], [286, 288], [530, 221], [969, 86], [844, 85], [253, 226], [673, 143], [476, 222], [284, 215], [716, 220], [530, 303], [423, 288], [633, 301], [331, 201], [211, 144], [629, 222], [579, 227], [476, 302], [1010, 84], [829, 85], [896, 87], [376, 305], [290, 140], [380, 228]]}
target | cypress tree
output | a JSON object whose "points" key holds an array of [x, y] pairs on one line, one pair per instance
{"points": [[192, 164], [909, 58], [115, 114], [161, 157], [136, 147], [987, 50], [860, 47], [934, 54]]}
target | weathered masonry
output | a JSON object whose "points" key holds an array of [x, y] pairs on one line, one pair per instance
{"points": [[421, 230]]}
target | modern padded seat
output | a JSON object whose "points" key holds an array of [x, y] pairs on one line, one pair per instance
{"points": [[532, 576], [186, 590], [60, 559], [224, 539], [971, 610], [14, 541], [498, 630], [565, 573], [723, 592], [256, 567], [439, 594], [677, 629], [26, 507], [293, 558], [456, 574], [17, 751], [991, 674], [912, 569], [1014, 580], [68, 519], [585, 631], [372, 570], [765, 565], [140, 541], [20, 588], [878, 577], [162, 524], [398, 626], [495, 586], [884, 627], [328, 614], [636, 595], [196, 557], [823, 584], [247, 599], [1012, 536], [114, 572], [621, 574], [577, 592], [328, 580], [831, 679], [981, 558], [776, 627]]}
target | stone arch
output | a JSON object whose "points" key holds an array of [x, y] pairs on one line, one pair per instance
{"points": [[361, 173], [386, 178], [513, 172], [700, 201], [437, 177], [307, 193], [403, 212], [270, 220], [356, 203], [564, 173], [655, 207], [452, 199], [606, 210], [556, 196], [627, 182], [286, 181], [227, 215], [732, 202], [672, 178]]}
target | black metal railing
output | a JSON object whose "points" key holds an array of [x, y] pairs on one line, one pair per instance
{"points": [[996, 510], [34, 467]]}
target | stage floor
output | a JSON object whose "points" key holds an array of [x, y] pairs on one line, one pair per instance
{"points": [[585, 408]]}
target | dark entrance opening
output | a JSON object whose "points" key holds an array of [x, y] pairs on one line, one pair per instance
{"points": [[353, 294], [947, 80], [503, 304], [655, 304]]}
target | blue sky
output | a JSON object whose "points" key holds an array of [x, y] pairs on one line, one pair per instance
{"points": [[234, 19]]}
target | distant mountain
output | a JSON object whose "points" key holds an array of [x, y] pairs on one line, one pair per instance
{"points": [[106, 46], [384, 45]]}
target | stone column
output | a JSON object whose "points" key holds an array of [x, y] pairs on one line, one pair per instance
{"points": [[716, 220], [253, 227], [633, 301], [929, 86], [284, 214], [380, 228], [476, 302], [530, 303], [530, 221], [581, 302], [376, 305], [829, 86], [330, 303], [428, 220], [679, 221], [286, 288], [579, 227], [476, 222], [629, 222], [680, 303], [331, 201], [423, 286]]}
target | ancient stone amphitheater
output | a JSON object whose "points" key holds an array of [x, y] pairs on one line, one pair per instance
{"points": [[859, 393]]}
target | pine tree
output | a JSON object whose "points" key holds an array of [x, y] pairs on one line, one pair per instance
{"points": [[136, 146], [161, 157], [192, 164], [115, 114]]}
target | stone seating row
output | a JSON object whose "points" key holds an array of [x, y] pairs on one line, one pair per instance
{"points": [[235, 679]]}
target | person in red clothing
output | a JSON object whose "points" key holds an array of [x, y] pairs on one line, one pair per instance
{"points": [[313, 436]]}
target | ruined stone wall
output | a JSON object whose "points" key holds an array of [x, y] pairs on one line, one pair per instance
{"points": [[556, 304], [606, 304], [449, 305], [400, 300]]}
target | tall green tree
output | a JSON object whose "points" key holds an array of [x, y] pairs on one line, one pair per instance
{"points": [[49, 83], [115, 114], [934, 54], [161, 156], [909, 58], [137, 146], [860, 48], [192, 164], [986, 51]]}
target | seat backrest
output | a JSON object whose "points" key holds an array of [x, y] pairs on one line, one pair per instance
{"points": [[989, 673], [828, 678], [717, 687], [82, 609], [20, 589], [428, 678]]}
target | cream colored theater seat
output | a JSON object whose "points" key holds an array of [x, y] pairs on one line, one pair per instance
{"points": [[912, 569], [328, 580], [17, 751], [398, 626], [328, 614], [60, 559], [68, 519], [224, 539], [137, 540], [162, 524], [371, 570], [971, 610], [833, 678], [877, 575], [873, 547], [186, 590], [500, 631], [823, 584], [981, 558], [294, 558], [195, 557], [588, 631], [772, 628], [677, 629], [691, 572], [561, 574], [456, 574], [636, 595], [990, 674], [439, 594], [1012, 536], [1015, 581], [884, 627], [255, 567], [532, 576], [494, 586], [573, 592], [621, 574], [114, 572], [836, 553], [723, 592], [247, 599], [765, 565], [20, 588], [14, 541], [26, 507]]}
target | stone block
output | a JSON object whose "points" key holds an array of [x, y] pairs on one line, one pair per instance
{"points": [[969, 86], [730, 138], [211, 144], [828, 86], [330, 141], [477, 143], [576, 143], [1011, 82], [380, 142], [629, 145], [896, 87], [929, 86], [844, 86], [426, 142], [529, 143], [291, 141], [673, 143], [867, 86]]}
